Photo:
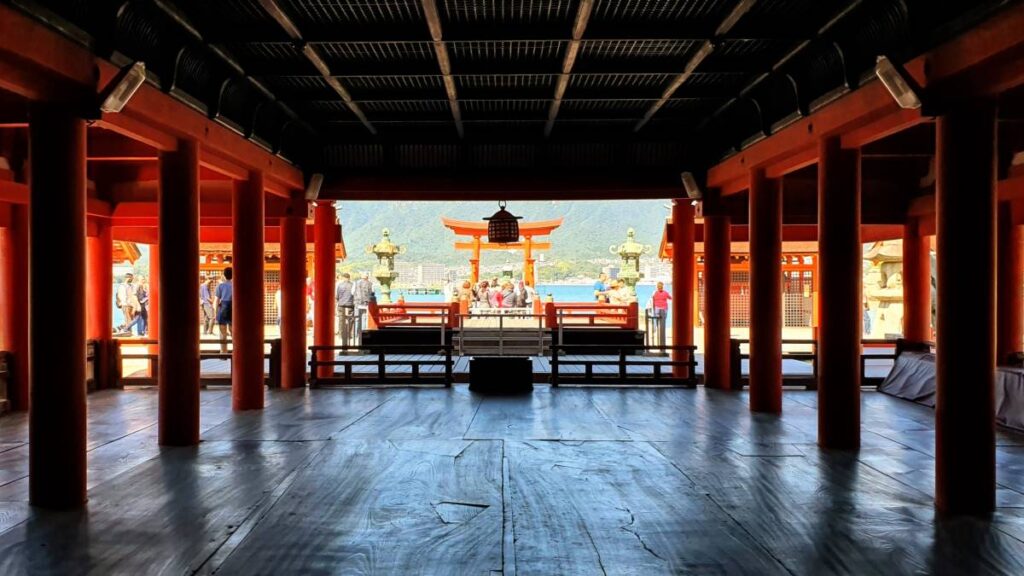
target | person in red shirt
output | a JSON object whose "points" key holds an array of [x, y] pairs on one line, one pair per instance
{"points": [[660, 300]]}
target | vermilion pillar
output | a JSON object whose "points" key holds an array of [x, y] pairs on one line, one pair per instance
{"points": [[247, 309], [965, 480], [14, 244], [323, 285], [99, 288], [717, 293], [174, 274], [293, 295], [682, 281], [57, 474], [1009, 285], [765, 293], [917, 284], [840, 258], [99, 295]]}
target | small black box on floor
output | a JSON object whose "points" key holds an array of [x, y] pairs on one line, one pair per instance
{"points": [[501, 374]]}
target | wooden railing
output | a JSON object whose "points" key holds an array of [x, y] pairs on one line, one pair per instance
{"points": [[623, 358], [804, 355], [433, 355], [271, 352], [410, 314], [592, 314]]}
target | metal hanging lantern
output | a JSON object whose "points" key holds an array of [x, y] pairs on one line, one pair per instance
{"points": [[503, 227]]}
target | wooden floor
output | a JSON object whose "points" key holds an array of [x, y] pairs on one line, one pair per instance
{"points": [[566, 481]]}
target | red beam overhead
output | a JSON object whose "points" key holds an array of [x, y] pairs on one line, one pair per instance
{"points": [[38, 63], [984, 60], [221, 146], [790, 233], [207, 234]]}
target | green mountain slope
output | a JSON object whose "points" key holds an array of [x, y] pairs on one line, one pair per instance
{"points": [[589, 227]]}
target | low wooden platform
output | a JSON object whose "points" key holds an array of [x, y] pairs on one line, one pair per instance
{"points": [[563, 481]]}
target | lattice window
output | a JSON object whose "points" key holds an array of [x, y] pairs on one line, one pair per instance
{"points": [[739, 299], [271, 282]]}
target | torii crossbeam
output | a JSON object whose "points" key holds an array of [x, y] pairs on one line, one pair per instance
{"points": [[477, 230]]}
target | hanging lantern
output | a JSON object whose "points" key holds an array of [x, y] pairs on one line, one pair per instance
{"points": [[503, 227]]}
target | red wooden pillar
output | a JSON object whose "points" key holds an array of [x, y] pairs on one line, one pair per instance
{"points": [[917, 284], [965, 480], [840, 274], [765, 293], [1010, 320], [174, 274], [57, 427], [682, 281], [14, 244], [323, 284], [100, 282], [98, 295], [247, 308], [293, 295], [717, 294]]}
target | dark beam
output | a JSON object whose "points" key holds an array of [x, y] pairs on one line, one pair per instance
{"points": [[580, 25], [441, 50], [842, 14], [741, 8], [313, 55]]}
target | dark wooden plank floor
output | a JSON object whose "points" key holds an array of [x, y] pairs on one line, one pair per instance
{"points": [[563, 481]]}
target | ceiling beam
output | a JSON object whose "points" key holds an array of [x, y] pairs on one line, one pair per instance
{"points": [[705, 50], [842, 14], [434, 23], [313, 55], [582, 18]]}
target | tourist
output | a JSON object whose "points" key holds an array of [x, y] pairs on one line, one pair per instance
{"points": [[142, 295], [494, 295], [222, 302], [529, 294], [362, 292], [206, 304], [126, 301], [618, 295], [867, 319], [464, 292], [345, 301], [660, 300], [483, 295], [508, 296], [601, 286]]}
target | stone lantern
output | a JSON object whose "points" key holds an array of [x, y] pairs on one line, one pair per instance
{"points": [[630, 252], [384, 271]]}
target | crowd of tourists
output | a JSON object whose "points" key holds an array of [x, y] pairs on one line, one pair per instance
{"points": [[497, 294], [132, 298], [352, 295]]}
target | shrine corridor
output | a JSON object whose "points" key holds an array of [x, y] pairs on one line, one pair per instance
{"points": [[566, 481]]}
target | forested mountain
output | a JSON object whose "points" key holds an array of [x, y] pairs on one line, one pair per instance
{"points": [[589, 227]]}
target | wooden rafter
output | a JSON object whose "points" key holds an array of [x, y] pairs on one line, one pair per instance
{"points": [[580, 25], [313, 55], [434, 23], [699, 56]]}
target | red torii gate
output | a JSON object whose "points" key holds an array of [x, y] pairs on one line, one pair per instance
{"points": [[477, 230]]}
